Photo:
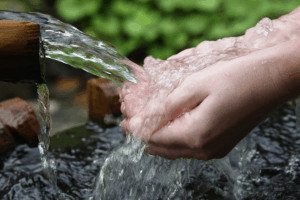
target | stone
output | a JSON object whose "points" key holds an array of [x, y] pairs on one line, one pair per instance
{"points": [[20, 119], [80, 99], [67, 84], [103, 98], [6, 139]]}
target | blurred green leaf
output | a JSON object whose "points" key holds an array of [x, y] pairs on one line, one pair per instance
{"points": [[207, 5], [234, 8], [151, 34], [240, 26], [73, 10], [124, 8], [194, 24], [126, 46], [161, 52], [3, 5], [177, 40], [146, 17], [168, 26], [196, 41], [133, 28], [167, 5], [218, 30], [109, 25]]}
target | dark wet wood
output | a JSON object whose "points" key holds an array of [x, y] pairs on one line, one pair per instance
{"points": [[19, 51]]}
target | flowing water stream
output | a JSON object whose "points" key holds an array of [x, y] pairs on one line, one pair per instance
{"points": [[265, 165], [65, 43]]}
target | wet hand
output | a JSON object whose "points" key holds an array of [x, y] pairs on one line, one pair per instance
{"points": [[213, 109]]}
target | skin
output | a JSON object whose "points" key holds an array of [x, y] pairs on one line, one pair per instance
{"points": [[227, 100], [211, 110]]}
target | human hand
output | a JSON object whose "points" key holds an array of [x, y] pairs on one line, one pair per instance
{"points": [[236, 82], [213, 109]]}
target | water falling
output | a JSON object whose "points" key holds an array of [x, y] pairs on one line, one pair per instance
{"points": [[144, 108], [67, 44], [140, 176], [128, 173], [44, 136]]}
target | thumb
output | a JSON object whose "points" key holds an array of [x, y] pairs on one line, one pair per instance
{"points": [[185, 97]]}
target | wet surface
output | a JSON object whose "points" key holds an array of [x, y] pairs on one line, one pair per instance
{"points": [[266, 165], [79, 155]]}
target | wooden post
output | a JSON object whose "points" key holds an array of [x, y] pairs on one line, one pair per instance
{"points": [[19, 51]]}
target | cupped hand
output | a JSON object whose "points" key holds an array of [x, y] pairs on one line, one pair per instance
{"points": [[213, 109]]}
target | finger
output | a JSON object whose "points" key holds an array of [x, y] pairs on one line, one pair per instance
{"points": [[132, 105], [120, 94], [138, 71], [169, 153], [174, 153], [183, 54], [185, 97], [133, 66], [124, 125], [181, 100], [186, 131], [123, 109], [173, 135]]}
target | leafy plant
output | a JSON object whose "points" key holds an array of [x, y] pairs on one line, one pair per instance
{"points": [[163, 27]]}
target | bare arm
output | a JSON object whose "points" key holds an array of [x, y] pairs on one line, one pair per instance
{"points": [[239, 80], [229, 100]]}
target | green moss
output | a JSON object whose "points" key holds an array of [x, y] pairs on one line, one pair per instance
{"points": [[70, 138]]}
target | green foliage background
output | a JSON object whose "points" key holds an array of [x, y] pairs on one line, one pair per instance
{"points": [[163, 27], [21, 5]]}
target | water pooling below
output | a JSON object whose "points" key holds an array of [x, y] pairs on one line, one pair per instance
{"points": [[265, 165]]}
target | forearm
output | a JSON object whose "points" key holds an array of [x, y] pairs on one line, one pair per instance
{"points": [[269, 33], [280, 65], [265, 34], [290, 66]]}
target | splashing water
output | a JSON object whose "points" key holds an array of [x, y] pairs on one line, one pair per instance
{"points": [[144, 105], [138, 175], [257, 168], [128, 173], [65, 43]]}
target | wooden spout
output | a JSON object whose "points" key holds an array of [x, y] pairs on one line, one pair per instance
{"points": [[19, 51]]}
